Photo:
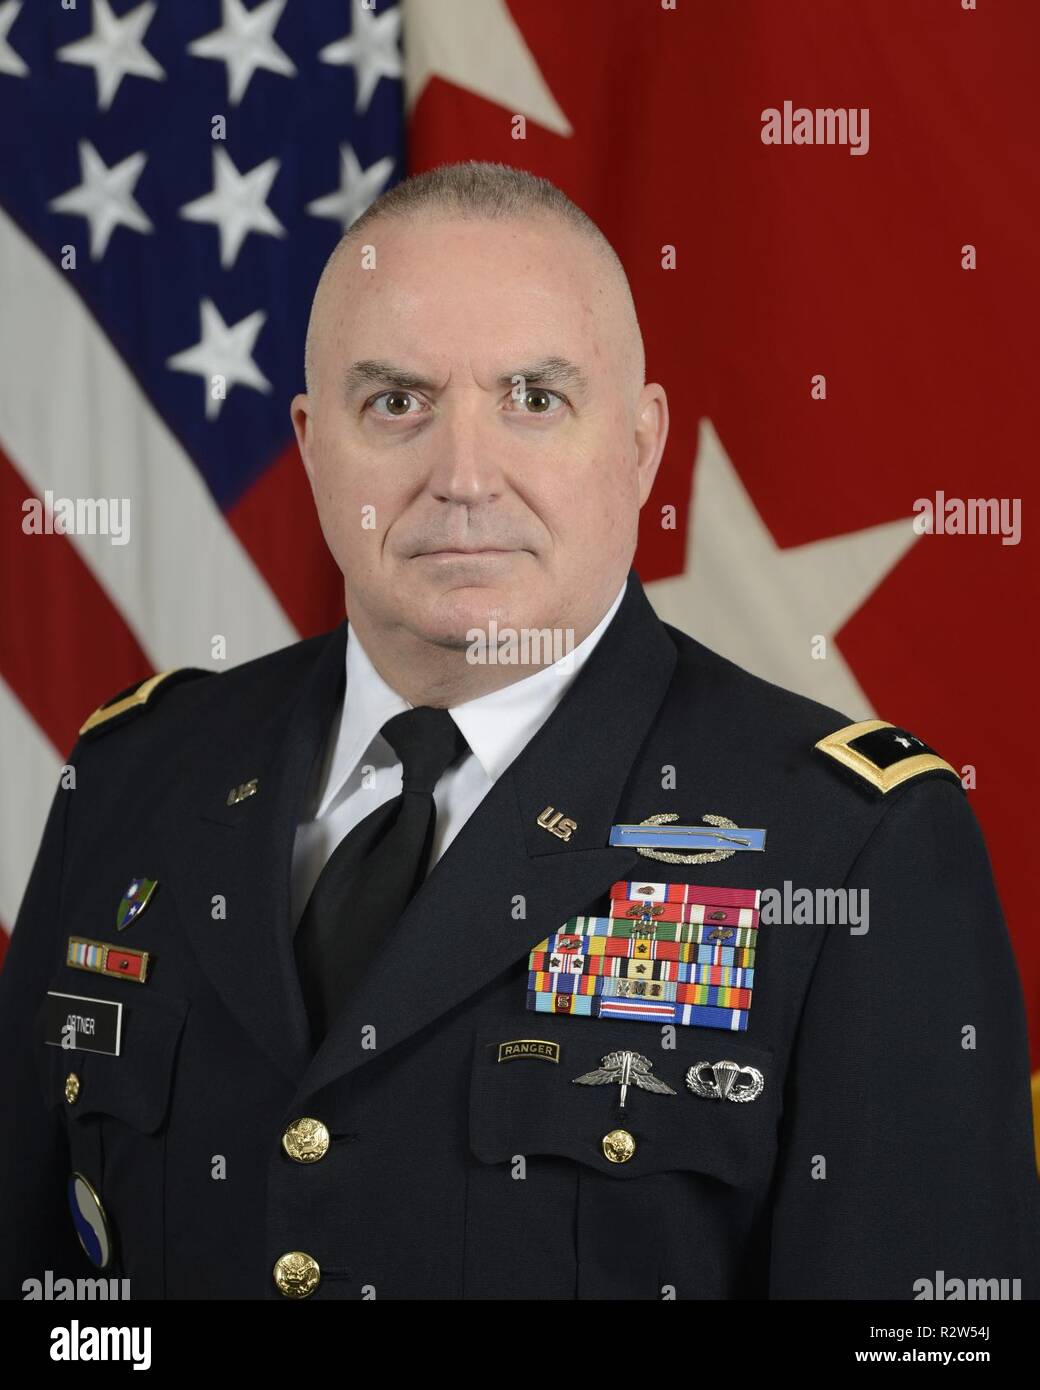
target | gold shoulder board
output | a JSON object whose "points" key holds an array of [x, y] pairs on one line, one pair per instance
{"points": [[136, 697], [883, 754]]}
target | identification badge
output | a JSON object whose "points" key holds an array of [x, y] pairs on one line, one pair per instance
{"points": [[666, 953], [88, 1025]]}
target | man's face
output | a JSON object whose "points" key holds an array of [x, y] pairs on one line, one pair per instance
{"points": [[447, 493]]}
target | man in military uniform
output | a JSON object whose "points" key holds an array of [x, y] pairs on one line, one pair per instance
{"points": [[385, 965]]}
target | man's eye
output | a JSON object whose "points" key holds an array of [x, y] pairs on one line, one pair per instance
{"points": [[536, 400], [397, 403]]}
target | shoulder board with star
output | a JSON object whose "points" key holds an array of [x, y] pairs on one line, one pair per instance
{"points": [[132, 701], [884, 756]]}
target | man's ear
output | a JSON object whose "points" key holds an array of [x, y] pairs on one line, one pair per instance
{"points": [[300, 414], [651, 435]]}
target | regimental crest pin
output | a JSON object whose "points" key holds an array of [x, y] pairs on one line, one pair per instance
{"points": [[625, 1069], [134, 901]]}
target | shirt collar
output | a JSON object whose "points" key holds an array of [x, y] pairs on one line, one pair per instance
{"points": [[497, 726]]}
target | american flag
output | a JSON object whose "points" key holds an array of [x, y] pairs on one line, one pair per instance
{"points": [[175, 174]]}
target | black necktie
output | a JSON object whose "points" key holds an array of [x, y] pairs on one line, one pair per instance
{"points": [[375, 869]]}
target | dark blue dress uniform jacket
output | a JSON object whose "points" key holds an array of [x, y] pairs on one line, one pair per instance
{"points": [[880, 1151]]}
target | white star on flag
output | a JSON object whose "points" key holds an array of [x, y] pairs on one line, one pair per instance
{"points": [[237, 204], [114, 49], [105, 197], [245, 42], [357, 189], [480, 49], [223, 352], [10, 62], [372, 48], [761, 606]]}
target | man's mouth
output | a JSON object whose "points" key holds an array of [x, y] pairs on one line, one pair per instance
{"points": [[469, 550]]}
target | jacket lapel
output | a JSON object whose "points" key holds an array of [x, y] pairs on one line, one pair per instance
{"points": [[460, 930], [243, 852]]}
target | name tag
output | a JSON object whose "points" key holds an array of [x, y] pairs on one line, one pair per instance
{"points": [[89, 1025]]}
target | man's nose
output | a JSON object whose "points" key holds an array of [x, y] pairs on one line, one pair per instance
{"points": [[466, 455]]}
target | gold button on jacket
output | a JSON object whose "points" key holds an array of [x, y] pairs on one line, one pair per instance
{"points": [[306, 1140], [297, 1274], [618, 1146]]}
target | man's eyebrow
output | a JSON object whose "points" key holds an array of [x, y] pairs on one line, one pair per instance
{"points": [[370, 372], [553, 371]]}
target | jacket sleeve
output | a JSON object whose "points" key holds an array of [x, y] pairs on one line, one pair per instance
{"points": [[36, 1231], [906, 1148]]}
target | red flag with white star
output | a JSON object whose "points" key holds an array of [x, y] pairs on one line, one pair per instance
{"points": [[894, 275]]}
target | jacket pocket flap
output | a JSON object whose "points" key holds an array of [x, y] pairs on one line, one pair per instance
{"points": [[134, 1086], [527, 1103]]}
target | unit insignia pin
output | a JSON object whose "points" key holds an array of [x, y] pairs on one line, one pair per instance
{"points": [[134, 901], [91, 1223]]}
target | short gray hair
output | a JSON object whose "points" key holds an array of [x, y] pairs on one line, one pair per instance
{"points": [[476, 190]]}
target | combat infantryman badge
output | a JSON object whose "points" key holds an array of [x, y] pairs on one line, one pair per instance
{"points": [[134, 901], [657, 838], [665, 953]]}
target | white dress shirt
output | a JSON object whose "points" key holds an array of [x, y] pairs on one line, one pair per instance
{"points": [[359, 770]]}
